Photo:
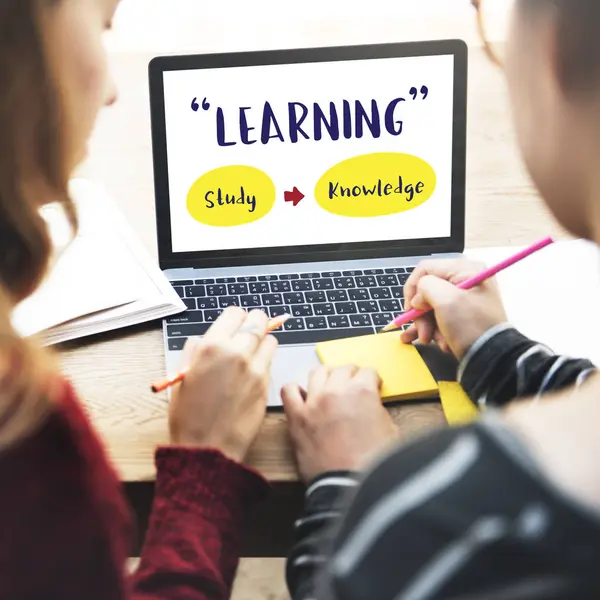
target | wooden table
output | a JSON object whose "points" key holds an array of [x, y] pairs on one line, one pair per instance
{"points": [[112, 371]]}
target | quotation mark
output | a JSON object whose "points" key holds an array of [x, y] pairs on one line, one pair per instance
{"points": [[414, 92], [196, 106]]}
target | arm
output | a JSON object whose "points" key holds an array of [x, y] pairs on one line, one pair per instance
{"points": [[325, 500], [434, 520], [503, 365], [193, 541]]}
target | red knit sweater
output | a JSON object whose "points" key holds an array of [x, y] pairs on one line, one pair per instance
{"points": [[65, 528]]}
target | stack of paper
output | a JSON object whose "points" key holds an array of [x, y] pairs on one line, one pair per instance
{"points": [[103, 280]]}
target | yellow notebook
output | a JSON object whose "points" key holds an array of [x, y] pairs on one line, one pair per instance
{"points": [[458, 407], [404, 374]]}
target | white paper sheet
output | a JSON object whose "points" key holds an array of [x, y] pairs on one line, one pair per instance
{"points": [[553, 296]]}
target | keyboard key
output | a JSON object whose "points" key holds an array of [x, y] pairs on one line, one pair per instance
{"points": [[225, 301], [396, 270], [272, 299], [338, 322], [294, 325], [360, 321], [354, 273], [380, 293], [324, 309], [382, 319], [262, 287], [373, 271], [204, 281], [289, 276], [207, 302], [343, 283], [280, 286], [316, 323], [245, 279], [367, 281], [194, 291], [358, 294], [277, 311], [345, 308], [302, 310], [314, 336], [368, 307], [190, 303], [237, 289], [212, 315], [180, 292], [251, 301], [189, 316], [397, 292], [268, 277], [177, 343], [302, 285], [386, 280], [393, 305], [331, 274], [410, 269], [402, 279], [313, 297], [215, 290], [309, 275], [226, 280], [187, 330], [337, 296], [323, 284], [182, 282], [294, 298]]}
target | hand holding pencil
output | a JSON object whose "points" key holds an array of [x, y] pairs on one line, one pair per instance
{"points": [[222, 401], [459, 317]]}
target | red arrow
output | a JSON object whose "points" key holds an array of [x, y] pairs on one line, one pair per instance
{"points": [[294, 196]]}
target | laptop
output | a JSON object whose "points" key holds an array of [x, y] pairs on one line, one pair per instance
{"points": [[307, 181]]}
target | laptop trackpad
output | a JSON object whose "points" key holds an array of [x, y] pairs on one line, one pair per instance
{"points": [[292, 364]]}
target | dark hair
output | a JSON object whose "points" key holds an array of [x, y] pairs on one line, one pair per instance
{"points": [[578, 38]]}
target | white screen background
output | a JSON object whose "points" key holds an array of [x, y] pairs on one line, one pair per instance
{"points": [[192, 147]]}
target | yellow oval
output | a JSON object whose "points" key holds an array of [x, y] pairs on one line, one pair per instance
{"points": [[375, 185], [230, 196]]}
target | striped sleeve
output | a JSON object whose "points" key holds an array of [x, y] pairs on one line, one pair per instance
{"points": [[455, 516], [504, 365], [325, 498]]}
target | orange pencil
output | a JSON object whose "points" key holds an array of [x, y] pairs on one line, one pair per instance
{"points": [[274, 324]]}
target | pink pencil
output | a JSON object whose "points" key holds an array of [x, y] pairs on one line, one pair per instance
{"points": [[413, 314]]}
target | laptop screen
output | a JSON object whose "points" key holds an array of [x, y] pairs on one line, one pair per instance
{"points": [[309, 154]]}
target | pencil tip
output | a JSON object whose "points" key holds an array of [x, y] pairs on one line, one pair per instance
{"points": [[154, 389]]}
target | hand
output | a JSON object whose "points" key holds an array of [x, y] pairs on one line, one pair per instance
{"points": [[460, 317], [222, 400], [339, 423]]}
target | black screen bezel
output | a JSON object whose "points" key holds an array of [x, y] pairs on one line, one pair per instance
{"points": [[314, 253]]}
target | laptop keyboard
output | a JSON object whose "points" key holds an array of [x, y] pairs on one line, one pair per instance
{"points": [[324, 305]]}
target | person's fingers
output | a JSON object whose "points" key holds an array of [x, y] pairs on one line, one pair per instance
{"points": [[317, 379], [440, 340], [292, 398], [452, 270], [425, 326], [341, 375], [226, 325], [263, 357], [436, 292], [408, 336], [251, 333], [370, 377]]}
